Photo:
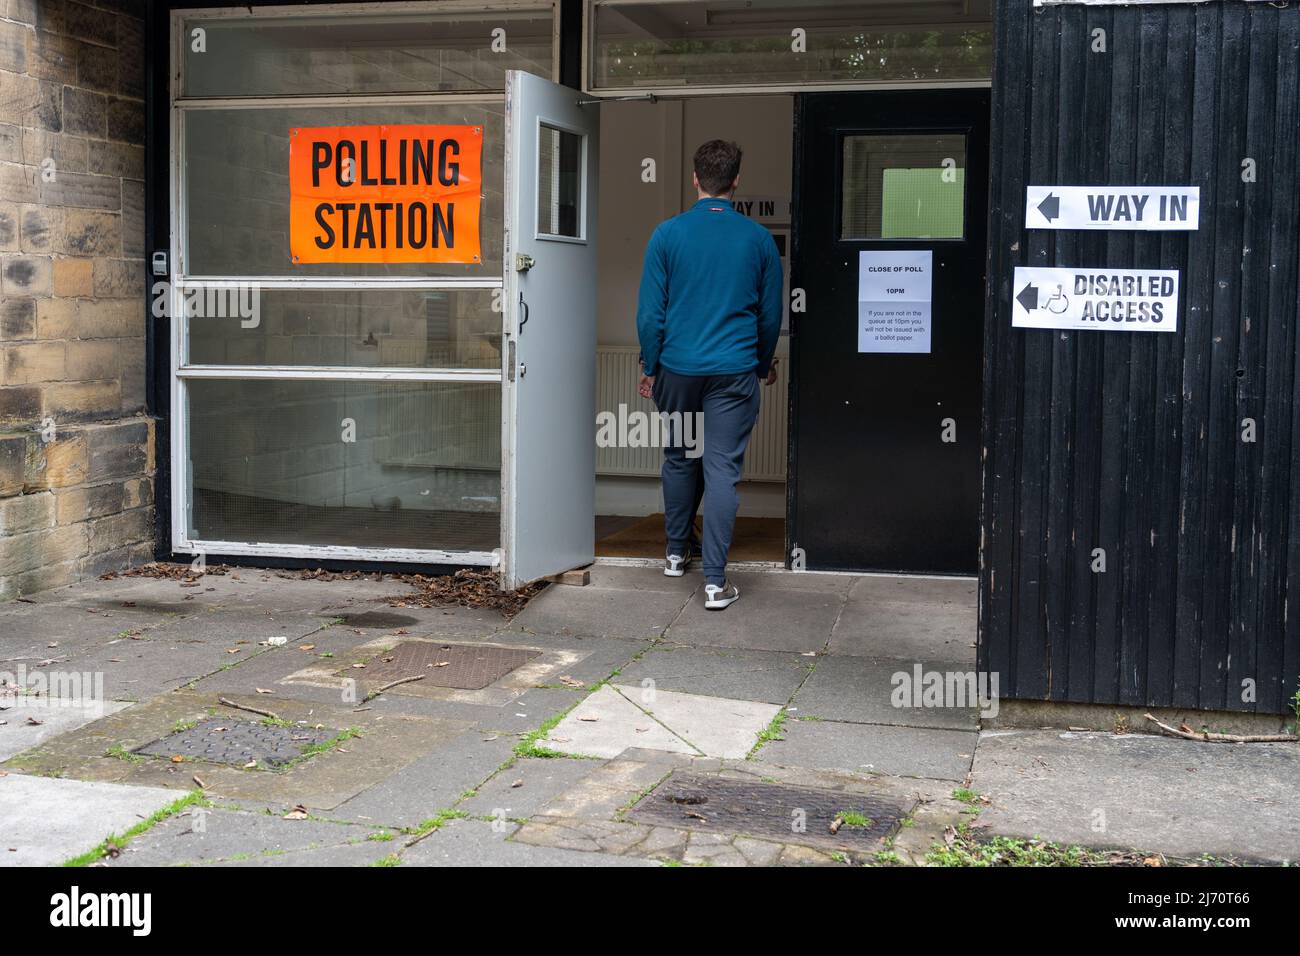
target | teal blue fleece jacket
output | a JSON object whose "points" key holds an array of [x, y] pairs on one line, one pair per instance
{"points": [[711, 294]]}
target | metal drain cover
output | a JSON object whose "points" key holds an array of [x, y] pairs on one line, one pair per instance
{"points": [[789, 814], [462, 666], [238, 742]]}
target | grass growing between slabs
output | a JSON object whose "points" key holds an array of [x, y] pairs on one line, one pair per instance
{"points": [[113, 844]]}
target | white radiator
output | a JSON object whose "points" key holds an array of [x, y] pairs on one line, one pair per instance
{"points": [[617, 373], [456, 426]]}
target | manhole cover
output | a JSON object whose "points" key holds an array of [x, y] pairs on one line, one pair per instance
{"points": [[238, 742], [463, 666], [786, 813]]}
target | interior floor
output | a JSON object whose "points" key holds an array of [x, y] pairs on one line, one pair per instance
{"points": [[221, 516], [622, 536]]}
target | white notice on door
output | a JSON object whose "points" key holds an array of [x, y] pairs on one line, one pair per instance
{"points": [[894, 301]]}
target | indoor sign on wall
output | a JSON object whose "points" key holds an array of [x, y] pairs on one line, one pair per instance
{"points": [[1126, 300], [385, 193]]}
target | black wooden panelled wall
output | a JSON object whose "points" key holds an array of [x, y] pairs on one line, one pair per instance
{"points": [[1133, 442]]}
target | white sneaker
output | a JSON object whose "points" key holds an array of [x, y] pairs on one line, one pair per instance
{"points": [[716, 598], [675, 565]]}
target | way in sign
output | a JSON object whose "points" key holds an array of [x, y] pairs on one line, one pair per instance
{"points": [[1113, 207], [1123, 300]]}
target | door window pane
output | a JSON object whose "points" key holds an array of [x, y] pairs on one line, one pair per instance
{"points": [[365, 52], [237, 188], [903, 186], [365, 328], [657, 43], [559, 183], [365, 464]]}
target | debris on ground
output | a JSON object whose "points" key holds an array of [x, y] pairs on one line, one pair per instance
{"points": [[165, 570], [468, 587]]}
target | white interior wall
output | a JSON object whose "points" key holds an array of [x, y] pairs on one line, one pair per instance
{"points": [[669, 133]]}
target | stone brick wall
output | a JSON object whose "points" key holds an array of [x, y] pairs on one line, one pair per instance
{"points": [[76, 448]]}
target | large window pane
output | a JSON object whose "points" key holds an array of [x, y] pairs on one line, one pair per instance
{"points": [[365, 464], [364, 52], [644, 43], [904, 186], [367, 328], [237, 188]]}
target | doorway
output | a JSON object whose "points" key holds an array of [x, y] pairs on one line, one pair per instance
{"points": [[890, 242], [634, 199]]}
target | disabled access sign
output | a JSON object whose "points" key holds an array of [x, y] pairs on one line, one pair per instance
{"points": [[1101, 300]]}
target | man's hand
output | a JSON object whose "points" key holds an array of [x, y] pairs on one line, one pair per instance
{"points": [[645, 387], [771, 373]]}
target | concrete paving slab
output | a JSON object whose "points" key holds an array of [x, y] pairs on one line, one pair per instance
{"points": [[606, 724], [601, 612], [631, 614], [432, 783], [861, 690], [521, 790], [715, 726], [199, 835], [32, 633], [644, 579], [349, 854], [48, 821], [476, 843], [135, 670], [868, 748], [720, 672], [1156, 794], [909, 618], [19, 733], [835, 583], [769, 616]]}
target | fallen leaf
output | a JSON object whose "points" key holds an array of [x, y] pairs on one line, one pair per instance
{"points": [[306, 647], [571, 682], [251, 765], [263, 690], [517, 784], [233, 650], [178, 758], [33, 722]]}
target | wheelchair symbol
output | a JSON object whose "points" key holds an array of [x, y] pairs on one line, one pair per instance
{"points": [[1057, 303]]}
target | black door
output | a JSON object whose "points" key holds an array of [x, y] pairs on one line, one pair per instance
{"points": [[885, 413]]}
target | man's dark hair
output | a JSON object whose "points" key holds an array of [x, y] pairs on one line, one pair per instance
{"points": [[717, 164]]}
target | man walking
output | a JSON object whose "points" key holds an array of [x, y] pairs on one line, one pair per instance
{"points": [[708, 319]]}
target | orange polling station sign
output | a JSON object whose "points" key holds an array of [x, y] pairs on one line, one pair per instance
{"points": [[385, 193]]}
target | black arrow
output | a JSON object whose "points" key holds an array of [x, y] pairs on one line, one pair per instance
{"points": [[1028, 297], [1050, 207]]}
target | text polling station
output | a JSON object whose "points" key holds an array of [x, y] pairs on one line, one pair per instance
{"points": [[408, 193]]}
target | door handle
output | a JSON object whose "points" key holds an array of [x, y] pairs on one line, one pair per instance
{"points": [[523, 312]]}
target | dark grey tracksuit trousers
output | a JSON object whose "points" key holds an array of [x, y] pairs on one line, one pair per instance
{"points": [[728, 406]]}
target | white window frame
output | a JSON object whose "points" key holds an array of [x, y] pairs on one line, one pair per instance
{"points": [[181, 281], [743, 89]]}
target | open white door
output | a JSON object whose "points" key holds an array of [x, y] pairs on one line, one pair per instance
{"points": [[549, 446]]}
